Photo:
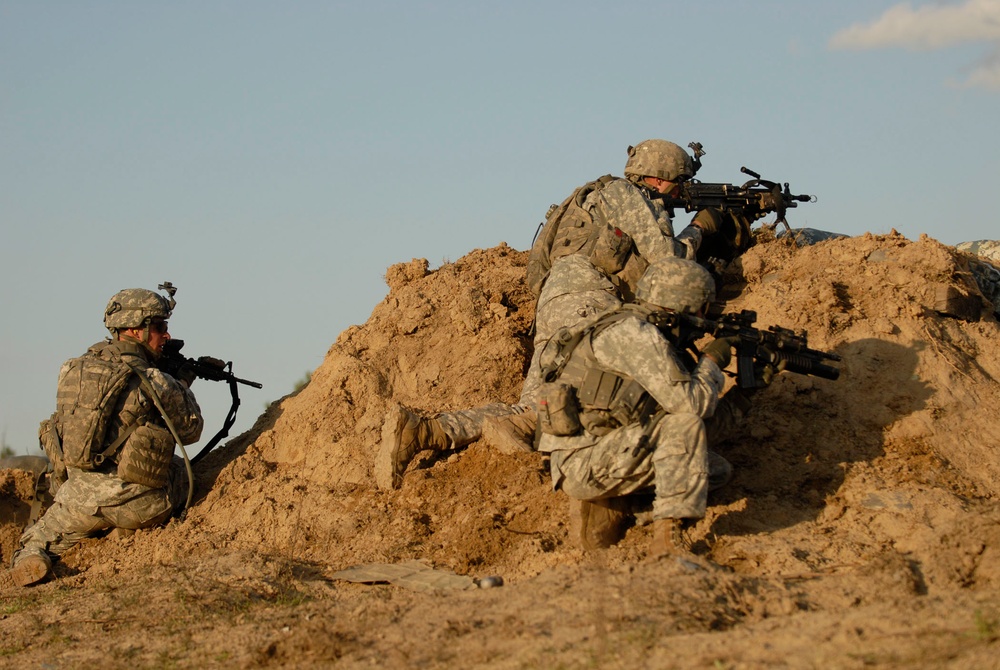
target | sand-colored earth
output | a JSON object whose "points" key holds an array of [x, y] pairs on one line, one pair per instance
{"points": [[861, 529]]}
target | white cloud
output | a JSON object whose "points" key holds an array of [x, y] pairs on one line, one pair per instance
{"points": [[928, 27], [934, 26]]}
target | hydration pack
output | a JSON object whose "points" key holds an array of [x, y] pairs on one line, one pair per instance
{"points": [[86, 397], [569, 229]]}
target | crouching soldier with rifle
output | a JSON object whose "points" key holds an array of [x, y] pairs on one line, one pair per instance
{"points": [[626, 410], [111, 439]]}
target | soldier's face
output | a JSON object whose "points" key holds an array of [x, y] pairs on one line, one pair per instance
{"points": [[662, 185], [158, 336]]}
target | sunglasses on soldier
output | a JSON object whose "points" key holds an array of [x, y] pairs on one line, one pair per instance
{"points": [[158, 326]]}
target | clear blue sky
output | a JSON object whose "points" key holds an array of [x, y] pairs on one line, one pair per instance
{"points": [[272, 159]]}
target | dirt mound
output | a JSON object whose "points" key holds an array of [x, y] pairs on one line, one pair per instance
{"points": [[861, 527]]}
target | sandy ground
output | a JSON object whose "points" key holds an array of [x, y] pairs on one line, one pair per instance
{"points": [[861, 529]]}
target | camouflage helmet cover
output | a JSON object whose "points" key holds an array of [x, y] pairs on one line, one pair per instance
{"points": [[659, 158], [131, 307], [677, 284]]}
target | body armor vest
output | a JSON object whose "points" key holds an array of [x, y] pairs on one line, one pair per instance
{"points": [[602, 400]]}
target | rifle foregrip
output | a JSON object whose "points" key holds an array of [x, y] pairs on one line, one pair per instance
{"points": [[806, 365]]}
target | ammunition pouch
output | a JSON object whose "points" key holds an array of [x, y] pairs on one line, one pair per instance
{"points": [[558, 410], [604, 402], [609, 401], [145, 459], [610, 250], [51, 444]]}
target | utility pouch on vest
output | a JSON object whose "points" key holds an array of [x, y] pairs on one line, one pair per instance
{"points": [[611, 250], [558, 413], [51, 444], [145, 458], [598, 389], [609, 402]]}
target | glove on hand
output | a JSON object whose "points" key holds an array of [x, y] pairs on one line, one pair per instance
{"points": [[709, 220], [764, 375], [186, 374], [214, 362], [764, 371], [720, 350]]}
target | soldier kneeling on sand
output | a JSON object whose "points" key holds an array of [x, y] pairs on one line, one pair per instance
{"points": [[111, 439], [625, 408]]}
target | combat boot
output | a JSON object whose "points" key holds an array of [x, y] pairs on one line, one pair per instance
{"points": [[404, 435], [512, 433], [597, 524], [29, 570], [668, 539]]}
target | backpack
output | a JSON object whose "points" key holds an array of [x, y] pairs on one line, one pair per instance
{"points": [[86, 397], [567, 230]]}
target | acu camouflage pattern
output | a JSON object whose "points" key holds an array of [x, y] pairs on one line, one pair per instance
{"points": [[101, 400], [677, 284], [626, 206], [659, 158], [86, 396], [131, 307], [986, 272], [610, 203], [575, 292], [675, 464], [146, 455], [90, 502]]}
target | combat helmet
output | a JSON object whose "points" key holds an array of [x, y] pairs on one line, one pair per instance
{"points": [[677, 284], [659, 158], [135, 307]]}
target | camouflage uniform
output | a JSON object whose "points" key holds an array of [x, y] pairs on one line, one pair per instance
{"points": [[92, 501], [675, 464], [625, 206], [573, 293], [987, 271], [808, 236]]}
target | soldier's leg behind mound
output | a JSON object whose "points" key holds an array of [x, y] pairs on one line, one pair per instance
{"points": [[404, 435]]}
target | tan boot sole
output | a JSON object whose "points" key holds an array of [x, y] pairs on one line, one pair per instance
{"points": [[385, 476], [30, 570]]}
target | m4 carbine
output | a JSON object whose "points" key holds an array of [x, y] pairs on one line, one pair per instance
{"points": [[172, 361], [781, 348], [204, 367]]}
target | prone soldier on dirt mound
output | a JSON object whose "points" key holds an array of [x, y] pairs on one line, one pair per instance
{"points": [[111, 439], [585, 261]]}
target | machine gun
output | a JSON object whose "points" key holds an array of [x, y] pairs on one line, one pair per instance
{"points": [[744, 203], [778, 347], [173, 362], [753, 200]]}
